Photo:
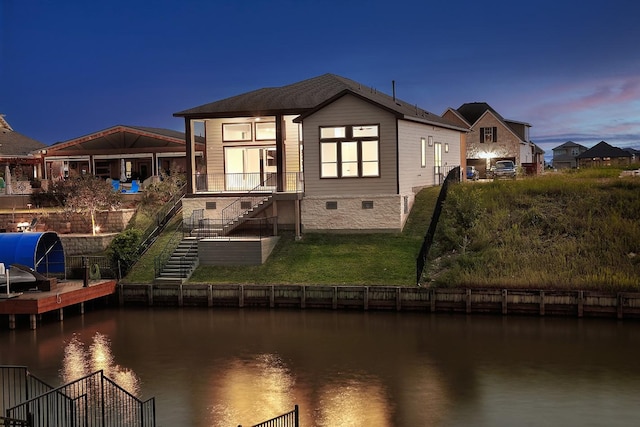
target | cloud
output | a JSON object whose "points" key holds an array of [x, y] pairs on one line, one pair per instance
{"points": [[590, 110]]}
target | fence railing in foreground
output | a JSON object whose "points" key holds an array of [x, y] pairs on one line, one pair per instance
{"points": [[290, 419], [93, 400]]}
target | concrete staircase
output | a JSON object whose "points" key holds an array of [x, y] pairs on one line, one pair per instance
{"points": [[181, 264]]}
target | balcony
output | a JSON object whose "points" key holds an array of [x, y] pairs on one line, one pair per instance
{"points": [[291, 182]]}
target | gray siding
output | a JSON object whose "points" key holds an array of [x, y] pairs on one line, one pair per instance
{"points": [[350, 110], [412, 174]]}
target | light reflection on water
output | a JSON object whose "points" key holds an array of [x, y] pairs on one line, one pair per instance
{"points": [[230, 367], [80, 361]]}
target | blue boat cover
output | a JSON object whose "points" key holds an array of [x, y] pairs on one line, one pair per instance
{"points": [[41, 251]]}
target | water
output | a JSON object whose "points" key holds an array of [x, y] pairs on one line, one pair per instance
{"points": [[238, 366]]}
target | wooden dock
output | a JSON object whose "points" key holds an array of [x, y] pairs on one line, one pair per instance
{"points": [[65, 294]]}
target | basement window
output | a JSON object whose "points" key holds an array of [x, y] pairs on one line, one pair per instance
{"points": [[367, 204], [245, 205], [332, 205], [210, 205]]}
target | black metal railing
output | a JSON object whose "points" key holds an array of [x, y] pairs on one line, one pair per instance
{"points": [[92, 401], [290, 419], [237, 212], [188, 260], [161, 260], [233, 182], [452, 176], [17, 385], [100, 267], [162, 217], [251, 227]]}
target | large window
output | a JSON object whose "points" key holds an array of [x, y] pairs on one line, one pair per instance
{"points": [[236, 132], [349, 151]]}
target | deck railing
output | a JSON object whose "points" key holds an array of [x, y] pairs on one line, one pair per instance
{"points": [[17, 384], [290, 419], [92, 401], [239, 182], [252, 227]]}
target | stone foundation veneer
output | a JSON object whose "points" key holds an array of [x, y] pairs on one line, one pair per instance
{"points": [[85, 245], [350, 216]]}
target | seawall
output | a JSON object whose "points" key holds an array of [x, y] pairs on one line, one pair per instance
{"points": [[621, 305]]}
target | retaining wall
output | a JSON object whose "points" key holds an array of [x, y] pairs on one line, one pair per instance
{"points": [[496, 301]]}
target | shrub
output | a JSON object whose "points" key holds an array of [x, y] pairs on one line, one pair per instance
{"points": [[123, 249]]}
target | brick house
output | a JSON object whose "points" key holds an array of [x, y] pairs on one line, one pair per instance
{"points": [[492, 137]]}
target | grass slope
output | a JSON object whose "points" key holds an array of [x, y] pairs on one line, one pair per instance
{"points": [[577, 230]]}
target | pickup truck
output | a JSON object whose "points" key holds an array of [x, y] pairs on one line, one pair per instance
{"points": [[504, 169]]}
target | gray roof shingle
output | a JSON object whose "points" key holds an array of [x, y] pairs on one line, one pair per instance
{"points": [[306, 96], [15, 144], [602, 149]]}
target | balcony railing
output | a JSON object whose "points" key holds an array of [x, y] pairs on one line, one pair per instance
{"points": [[239, 182]]}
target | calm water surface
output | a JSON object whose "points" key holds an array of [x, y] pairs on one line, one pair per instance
{"points": [[229, 367]]}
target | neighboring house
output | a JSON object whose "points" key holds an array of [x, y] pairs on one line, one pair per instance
{"points": [[603, 154], [123, 153], [323, 154], [20, 161], [492, 138], [565, 155], [635, 154]]}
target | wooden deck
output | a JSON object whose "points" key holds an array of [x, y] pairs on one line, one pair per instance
{"points": [[65, 294]]}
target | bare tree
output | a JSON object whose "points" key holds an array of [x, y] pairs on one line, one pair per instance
{"points": [[90, 194]]}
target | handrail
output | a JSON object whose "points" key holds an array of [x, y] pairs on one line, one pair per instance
{"points": [[161, 260], [289, 419], [234, 210], [178, 234], [162, 217], [101, 399]]}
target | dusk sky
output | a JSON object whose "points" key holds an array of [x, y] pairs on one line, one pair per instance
{"points": [[571, 69]]}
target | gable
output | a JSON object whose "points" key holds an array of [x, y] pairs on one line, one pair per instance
{"points": [[121, 139]]}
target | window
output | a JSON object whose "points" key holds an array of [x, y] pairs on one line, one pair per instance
{"points": [[265, 131], [446, 147], [423, 153], [236, 132], [367, 204], [489, 134], [349, 152]]}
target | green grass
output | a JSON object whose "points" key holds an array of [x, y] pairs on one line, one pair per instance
{"points": [[572, 230], [327, 259], [577, 230]]}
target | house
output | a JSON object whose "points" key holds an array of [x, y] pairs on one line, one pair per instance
{"points": [[492, 138], [635, 154], [20, 160], [603, 154], [122, 153], [324, 154], [565, 155]]}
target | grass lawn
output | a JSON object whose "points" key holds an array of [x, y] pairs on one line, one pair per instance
{"points": [[335, 259], [577, 230]]}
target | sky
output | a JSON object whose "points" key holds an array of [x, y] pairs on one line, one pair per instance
{"points": [[571, 69]]}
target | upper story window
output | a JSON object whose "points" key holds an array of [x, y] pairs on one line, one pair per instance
{"points": [[349, 151], [265, 131], [489, 134], [236, 132]]}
